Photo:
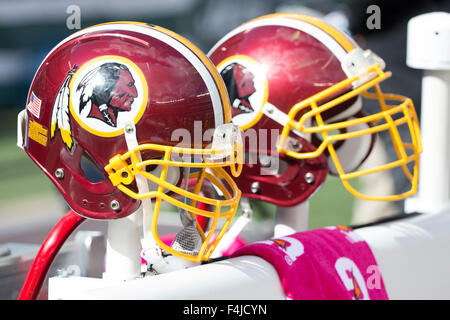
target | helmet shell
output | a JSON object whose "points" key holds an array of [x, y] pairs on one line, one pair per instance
{"points": [[95, 82]]}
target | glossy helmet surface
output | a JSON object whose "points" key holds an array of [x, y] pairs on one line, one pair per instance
{"points": [[118, 102], [298, 75]]}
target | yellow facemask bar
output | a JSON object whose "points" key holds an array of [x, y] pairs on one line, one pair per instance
{"points": [[123, 168], [310, 109]]}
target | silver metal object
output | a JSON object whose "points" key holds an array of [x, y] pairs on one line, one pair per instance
{"points": [[265, 160], [129, 129], [309, 177], [115, 205], [254, 188], [295, 144], [62, 273], [247, 209], [4, 251], [59, 173], [91, 251]]}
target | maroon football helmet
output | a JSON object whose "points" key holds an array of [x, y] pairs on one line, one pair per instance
{"points": [[296, 77], [119, 103], [267, 174]]}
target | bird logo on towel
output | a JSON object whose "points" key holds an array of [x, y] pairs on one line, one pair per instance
{"points": [[291, 247], [356, 288]]}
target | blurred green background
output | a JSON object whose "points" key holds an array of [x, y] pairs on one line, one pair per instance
{"points": [[30, 28], [25, 182]]}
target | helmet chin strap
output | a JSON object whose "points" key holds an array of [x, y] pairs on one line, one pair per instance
{"points": [[185, 217], [21, 125], [151, 252], [281, 118]]}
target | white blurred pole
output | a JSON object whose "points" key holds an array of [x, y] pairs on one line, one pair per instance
{"points": [[434, 177], [428, 48], [123, 248], [413, 255], [241, 278], [289, 220]]}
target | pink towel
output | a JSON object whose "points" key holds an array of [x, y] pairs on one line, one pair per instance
{"points": [[332, 263]]}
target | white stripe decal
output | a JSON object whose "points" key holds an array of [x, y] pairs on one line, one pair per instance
{"points": [[174, 43], [281, 118]]}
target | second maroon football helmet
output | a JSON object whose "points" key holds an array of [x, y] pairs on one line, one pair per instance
{"points": [[297, 85]]}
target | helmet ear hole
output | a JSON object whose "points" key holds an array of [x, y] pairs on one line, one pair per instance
{"points": [[173, 175], [91, 170], [151, 168]]}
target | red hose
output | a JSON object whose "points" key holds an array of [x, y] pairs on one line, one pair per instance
{"points": [[46, 254]]}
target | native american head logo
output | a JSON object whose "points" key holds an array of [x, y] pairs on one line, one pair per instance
{"points": [[240, 86], [247, 88], [108, 89], [101, 96]]}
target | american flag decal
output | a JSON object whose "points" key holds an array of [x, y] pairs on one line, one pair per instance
{"points": [[35, 105]]}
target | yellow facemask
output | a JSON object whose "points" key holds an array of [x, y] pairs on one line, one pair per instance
{"points": [[209, 164], [306, 118]]}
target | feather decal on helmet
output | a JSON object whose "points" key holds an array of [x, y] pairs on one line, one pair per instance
{"points": [[86, 87], [60, 114]]}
